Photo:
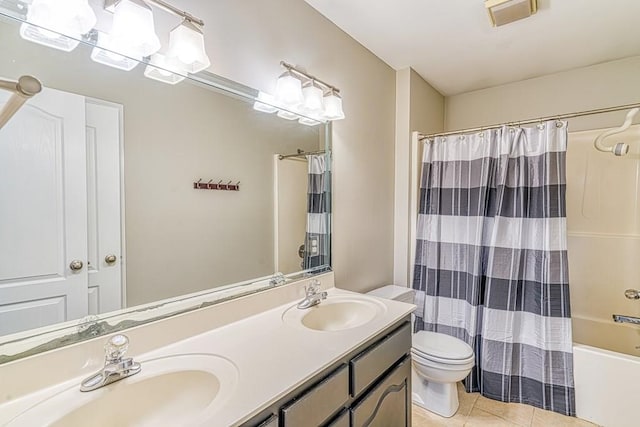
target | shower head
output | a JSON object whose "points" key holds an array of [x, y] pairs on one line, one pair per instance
{"points": [[620, 149]]}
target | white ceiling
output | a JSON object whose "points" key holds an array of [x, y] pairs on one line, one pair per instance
{"points": [[452, 45]]}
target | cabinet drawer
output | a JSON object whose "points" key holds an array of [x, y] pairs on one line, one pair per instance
{"points": [[341, 421], [388, 403], [272, 421], [315, 406], [368, 366]]}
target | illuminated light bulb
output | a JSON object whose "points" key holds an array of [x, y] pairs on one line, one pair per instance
{"points": [[133, 32], [186, 45], [289, 90], [333, 106], [312, 94]]}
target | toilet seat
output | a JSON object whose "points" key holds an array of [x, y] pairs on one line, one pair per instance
{"points": [[441, 348]]}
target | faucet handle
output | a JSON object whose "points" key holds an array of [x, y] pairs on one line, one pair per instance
{"points": [[116, 348], [313, 288]]}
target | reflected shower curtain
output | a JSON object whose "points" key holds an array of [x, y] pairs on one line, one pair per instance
{"points": [[491, 259], [317, 238]]}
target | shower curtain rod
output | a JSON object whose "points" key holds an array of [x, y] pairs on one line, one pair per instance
{"points": [[532, 121], [300, 153], [23, 89]]}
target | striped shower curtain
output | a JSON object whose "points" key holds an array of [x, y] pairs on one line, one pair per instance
{"points": [[317, 238], [491, 260]]}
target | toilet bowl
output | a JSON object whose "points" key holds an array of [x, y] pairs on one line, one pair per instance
{"points": [[439, 361]]}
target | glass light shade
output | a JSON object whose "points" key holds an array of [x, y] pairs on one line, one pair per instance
{"points": [[333, 106], [164, 69], [288, 115], [309, 122], [56, 24], [289, 90], [186, 45], [267, 104], [103, 53], [133, 32], [312, 94]]}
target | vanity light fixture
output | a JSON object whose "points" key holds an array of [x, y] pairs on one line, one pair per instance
{"points": [[289, 90], [288, 115], [164, 69], [132, 36], [133, 33], [104, 53], [302, 96], [333, 106], [58, 24], [186, 45], [265, 103], [309, 122], [312, 94]]}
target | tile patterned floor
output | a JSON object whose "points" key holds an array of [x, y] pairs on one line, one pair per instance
{"points": [[478, 411]]}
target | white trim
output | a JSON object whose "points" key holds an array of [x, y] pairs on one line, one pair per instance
{"points": [[123, 245], [276, 260]]}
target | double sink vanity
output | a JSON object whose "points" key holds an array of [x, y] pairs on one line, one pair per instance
{"points": [[259, 360]]}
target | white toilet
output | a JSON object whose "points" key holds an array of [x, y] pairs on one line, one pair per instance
{"points": [[439, 361]]}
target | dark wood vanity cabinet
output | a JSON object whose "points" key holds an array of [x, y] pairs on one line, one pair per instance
{"points": [[371, 387], [388, 403]]}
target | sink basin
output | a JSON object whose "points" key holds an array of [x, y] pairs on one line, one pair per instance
{"points": [[336, 313], [175, 390]]}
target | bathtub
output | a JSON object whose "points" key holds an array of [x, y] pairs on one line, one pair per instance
{"points": [[607, 380]]}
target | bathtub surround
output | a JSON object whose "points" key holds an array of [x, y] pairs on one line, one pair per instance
{"points": [[317, 243], [491, 259]]}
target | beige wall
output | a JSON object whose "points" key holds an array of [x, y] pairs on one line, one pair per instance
{"points": [[608, 84], [247, 40], [419, 107]]}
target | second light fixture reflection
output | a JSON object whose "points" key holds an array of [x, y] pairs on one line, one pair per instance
{"points": [[300, 96]]}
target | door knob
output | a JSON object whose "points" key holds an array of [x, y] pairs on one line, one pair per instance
{"points": [[110, 259], [76, 265]]}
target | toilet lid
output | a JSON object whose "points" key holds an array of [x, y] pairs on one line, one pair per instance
{"points": [[441, 345]]}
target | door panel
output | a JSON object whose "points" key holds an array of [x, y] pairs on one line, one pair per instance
{"points": [[103, 132], [43, 213], [32, 314]]}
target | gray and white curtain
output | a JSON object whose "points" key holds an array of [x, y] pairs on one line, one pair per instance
{"points": [[491, 260], [317, 239]]}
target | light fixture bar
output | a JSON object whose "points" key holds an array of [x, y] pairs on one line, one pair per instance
{"points": [[174, 10], [160, 4], [293, 69]]}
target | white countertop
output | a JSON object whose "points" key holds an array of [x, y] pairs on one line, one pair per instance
{"points": [[272, 358]]}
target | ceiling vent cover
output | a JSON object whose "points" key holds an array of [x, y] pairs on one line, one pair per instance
{"points": [[504, 12]]}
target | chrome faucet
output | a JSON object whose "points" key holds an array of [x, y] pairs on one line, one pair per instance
{"points": [[116, 366], [313, 295]]}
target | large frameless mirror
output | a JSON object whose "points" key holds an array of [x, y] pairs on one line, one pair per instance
{"points": [[126, 199]]}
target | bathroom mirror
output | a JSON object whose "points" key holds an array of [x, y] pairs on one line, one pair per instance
{"points": [[129, 199]]}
